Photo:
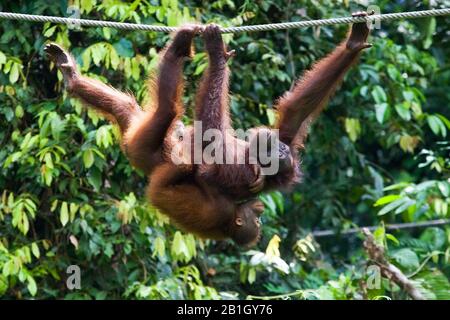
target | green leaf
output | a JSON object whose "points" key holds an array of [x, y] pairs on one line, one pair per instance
{"points": [[48, 160], [403, 111], [393, 73], [444, 120], [3, 285], [159, 247], [64, 213], [179, 247], [35, 250], [379, 94], [406, 258], [32, 288], [57, 126], [271, 116], [8, 268], [269, 204], [95, 178], [191, 245], [19, 111], [50, 31], [430, 30], [87, 5], [436, 125], [407, 202], [408, 95], [14, 73], [386, 199], [103, 136], [393, 205], [172, 17], [124, 48], [200, 68], [436, 282], [381, 112], [435, 238], [88, 158], [98, 53], [9, 113], [107, 33], [251, 275], [444, 188], [400, 185], [353, 128], [379, 235], [2, 59], [392, 238], [47, 175]]}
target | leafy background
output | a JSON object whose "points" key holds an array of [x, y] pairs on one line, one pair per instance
{"points": [[379, 154]]}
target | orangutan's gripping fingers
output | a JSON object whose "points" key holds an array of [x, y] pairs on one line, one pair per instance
{"points": [[56, 53], [230, 54], [63, 60], [182, 42], [59, 56], [258, 184], [359, 33], [213, 42]]}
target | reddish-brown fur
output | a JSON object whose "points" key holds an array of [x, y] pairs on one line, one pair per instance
{"points": [[203, 199], [192, 204], [296, 110]]}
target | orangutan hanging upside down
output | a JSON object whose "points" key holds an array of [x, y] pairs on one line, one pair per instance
{"points": [[208, 199]]}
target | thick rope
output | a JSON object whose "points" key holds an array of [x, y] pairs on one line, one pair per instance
{"points": [[261, 27]]}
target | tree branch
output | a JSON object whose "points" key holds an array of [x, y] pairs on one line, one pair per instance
{"points": [[397, 226], [388, 270]]}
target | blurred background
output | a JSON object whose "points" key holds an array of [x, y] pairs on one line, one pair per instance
{"points": [[378, 155]]}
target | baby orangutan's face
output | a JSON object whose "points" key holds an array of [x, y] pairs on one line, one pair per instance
{"points": [[246, 227]]}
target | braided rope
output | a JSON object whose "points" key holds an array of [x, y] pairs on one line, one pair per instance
{"points": [[345, 20], [261, 27]]}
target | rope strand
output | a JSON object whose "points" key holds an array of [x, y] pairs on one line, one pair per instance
{"points": [[253, 28]]}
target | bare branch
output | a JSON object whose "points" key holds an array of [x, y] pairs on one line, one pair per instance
{"points": [[391, 272], [398, 226]]}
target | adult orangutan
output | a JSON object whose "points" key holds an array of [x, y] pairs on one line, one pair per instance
{"points": [[210, 199]]}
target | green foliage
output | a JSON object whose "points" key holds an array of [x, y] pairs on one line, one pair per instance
{"points": [[378, 154]]}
